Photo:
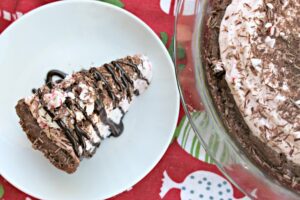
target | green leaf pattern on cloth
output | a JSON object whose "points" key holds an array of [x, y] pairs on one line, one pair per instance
{"points": [[164, 38], [171, 47], [181, 54], [118, 3], [189, 141], [1, 191], [181, 66]]}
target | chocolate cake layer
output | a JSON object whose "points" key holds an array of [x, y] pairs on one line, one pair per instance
{"points": [[70, 115], [251, 54]]}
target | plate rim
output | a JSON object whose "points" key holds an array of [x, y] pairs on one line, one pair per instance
{"points": [[114, 8]]}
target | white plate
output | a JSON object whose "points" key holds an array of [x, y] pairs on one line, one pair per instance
{"points": [[71, 35]]}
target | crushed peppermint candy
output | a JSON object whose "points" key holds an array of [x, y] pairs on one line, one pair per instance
{"points": [[55, 99], [259, 47]]}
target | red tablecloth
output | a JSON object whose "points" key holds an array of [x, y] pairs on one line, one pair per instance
{"points": [[185, 160]]}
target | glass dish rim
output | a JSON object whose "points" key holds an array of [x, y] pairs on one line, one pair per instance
{"points": [[209, 105]]}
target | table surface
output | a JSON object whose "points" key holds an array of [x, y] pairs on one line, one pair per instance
{"points": [[185, 161]]}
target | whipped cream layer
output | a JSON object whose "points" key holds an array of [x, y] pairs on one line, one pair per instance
{"points": [[259, 48], [84, 94]]}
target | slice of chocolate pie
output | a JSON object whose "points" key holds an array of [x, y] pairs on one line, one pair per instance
{"points": [[252, 56], [70, 115]]}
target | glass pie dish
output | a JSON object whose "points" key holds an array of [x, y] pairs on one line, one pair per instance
{"points": [[228, 155]]}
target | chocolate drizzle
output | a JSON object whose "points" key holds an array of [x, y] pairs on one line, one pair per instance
{"points": [[99, 77], [135, 68], [76, 135], [61, 124], [81, 134], [124, 77], [116, 129], [53, 73], [88, 118], [115, 78]]}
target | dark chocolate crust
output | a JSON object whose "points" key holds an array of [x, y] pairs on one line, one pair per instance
{"points": [[58, 157], [271, 162]]}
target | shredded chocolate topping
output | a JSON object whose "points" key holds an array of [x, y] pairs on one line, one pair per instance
{"points": [[257, 94], [259, 45]]}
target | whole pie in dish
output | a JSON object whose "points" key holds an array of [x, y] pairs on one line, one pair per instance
{"points": [[252, 58]]}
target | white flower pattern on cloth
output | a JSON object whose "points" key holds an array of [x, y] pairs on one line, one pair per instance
{"points": [[8, 16], [188, 7]]}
